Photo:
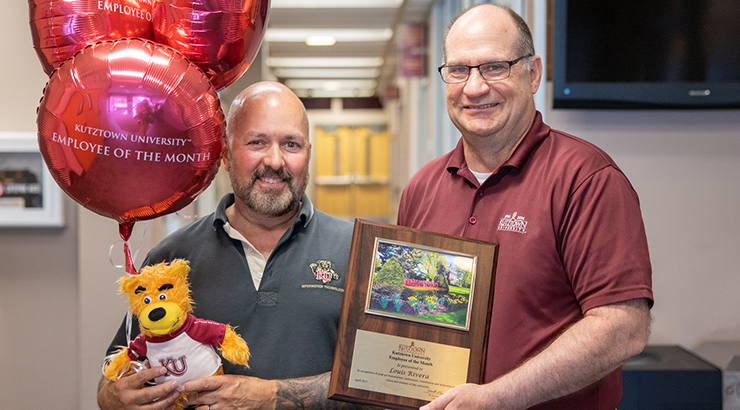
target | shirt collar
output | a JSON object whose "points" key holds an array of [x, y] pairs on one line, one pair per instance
{"points": [[538, 132], [304, 216]]}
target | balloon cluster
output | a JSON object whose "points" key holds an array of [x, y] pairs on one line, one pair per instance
{"points": [[130, 124]]}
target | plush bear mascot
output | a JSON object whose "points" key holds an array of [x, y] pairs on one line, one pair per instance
{"points": [[171, 336]]}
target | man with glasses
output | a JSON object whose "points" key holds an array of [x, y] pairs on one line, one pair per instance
{"points": [[573, 284]]}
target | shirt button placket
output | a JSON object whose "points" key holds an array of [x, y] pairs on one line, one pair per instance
{"points": [[478, 194]]}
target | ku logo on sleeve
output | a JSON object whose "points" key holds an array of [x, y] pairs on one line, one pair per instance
{"points": [[324, 271]]}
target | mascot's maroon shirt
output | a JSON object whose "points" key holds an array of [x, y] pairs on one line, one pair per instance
{"points": [[187, 354]]}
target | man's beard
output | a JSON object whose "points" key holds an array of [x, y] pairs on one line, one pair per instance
{"points": [[269, 201]]}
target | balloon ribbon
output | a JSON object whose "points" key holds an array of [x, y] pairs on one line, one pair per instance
{"points": [[125, 229]]}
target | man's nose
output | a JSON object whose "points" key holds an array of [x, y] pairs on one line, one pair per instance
{"points": [[274, 157], [476, 84]]}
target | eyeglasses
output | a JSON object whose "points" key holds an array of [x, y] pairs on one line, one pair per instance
{"points": [[497, 70]]}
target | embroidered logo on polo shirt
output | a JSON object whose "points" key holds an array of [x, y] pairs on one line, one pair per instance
{"points": [[513, 223], [324, 271]]}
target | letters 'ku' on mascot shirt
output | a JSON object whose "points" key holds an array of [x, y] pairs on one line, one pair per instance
{"points": [[192, 344]]}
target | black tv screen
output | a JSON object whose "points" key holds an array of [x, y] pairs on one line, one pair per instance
{"points": [[646, 54]]}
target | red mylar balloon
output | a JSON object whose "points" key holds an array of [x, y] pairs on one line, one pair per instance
{"points": [[219, 36], [130, 129], [62, 27]]}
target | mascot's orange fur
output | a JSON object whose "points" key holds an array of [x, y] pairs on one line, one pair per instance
{"points": [[170, 336]]}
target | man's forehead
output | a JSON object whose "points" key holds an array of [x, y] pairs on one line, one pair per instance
{"points": [[486, 53], [484, 24], [477, 51], [282, 131], [255, 127], [266, 100]]}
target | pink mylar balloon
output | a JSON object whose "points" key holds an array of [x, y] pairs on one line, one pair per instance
{"points": [[130, 129], [62, 27], [219, 36]]}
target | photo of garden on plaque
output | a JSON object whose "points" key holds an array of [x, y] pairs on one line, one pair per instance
{"points": [[421, 284], [415, 317]]}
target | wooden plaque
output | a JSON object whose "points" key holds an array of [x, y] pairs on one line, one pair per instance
{"points": [[415, 317]]}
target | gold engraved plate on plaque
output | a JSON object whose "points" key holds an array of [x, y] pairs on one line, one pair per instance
{"points": [[406, 367]]}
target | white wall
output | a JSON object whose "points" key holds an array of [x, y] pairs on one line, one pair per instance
{"points": [[38, 266], [39, 353], [685, 165]]}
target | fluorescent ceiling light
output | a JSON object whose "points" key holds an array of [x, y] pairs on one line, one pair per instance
{"points": [[327, 72], [329, 62], [321, 41], [331, 84], [334, 4], [287, 35]]}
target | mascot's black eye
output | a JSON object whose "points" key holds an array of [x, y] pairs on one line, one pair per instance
{"points": [[162, 296], [147, 299]]}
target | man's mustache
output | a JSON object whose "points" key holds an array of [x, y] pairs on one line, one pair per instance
{"points": [[268, 172]]}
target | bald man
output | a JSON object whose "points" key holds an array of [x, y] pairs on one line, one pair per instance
{"points": [[573, 282], [267, 262]]}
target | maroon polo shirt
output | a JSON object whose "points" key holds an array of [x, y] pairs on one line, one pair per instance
{"points": [[570, 235]]}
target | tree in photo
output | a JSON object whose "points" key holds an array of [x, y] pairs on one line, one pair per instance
{"points": [[390, 277], [441, 278]]}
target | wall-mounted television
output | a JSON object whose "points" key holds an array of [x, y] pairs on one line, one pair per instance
{"points": [[655, 54]]}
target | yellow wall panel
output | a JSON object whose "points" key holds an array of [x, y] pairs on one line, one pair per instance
{"points": [[371, 200], [351, 155], [334, 199], [326, 153], [346, 147], [360, 152], [380, 155]]}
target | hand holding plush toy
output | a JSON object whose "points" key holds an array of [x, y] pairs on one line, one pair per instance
{"points": [[170, 336]]}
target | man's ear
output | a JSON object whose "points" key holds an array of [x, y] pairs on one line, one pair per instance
{"points": [[535, 73], [225, 157]]}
